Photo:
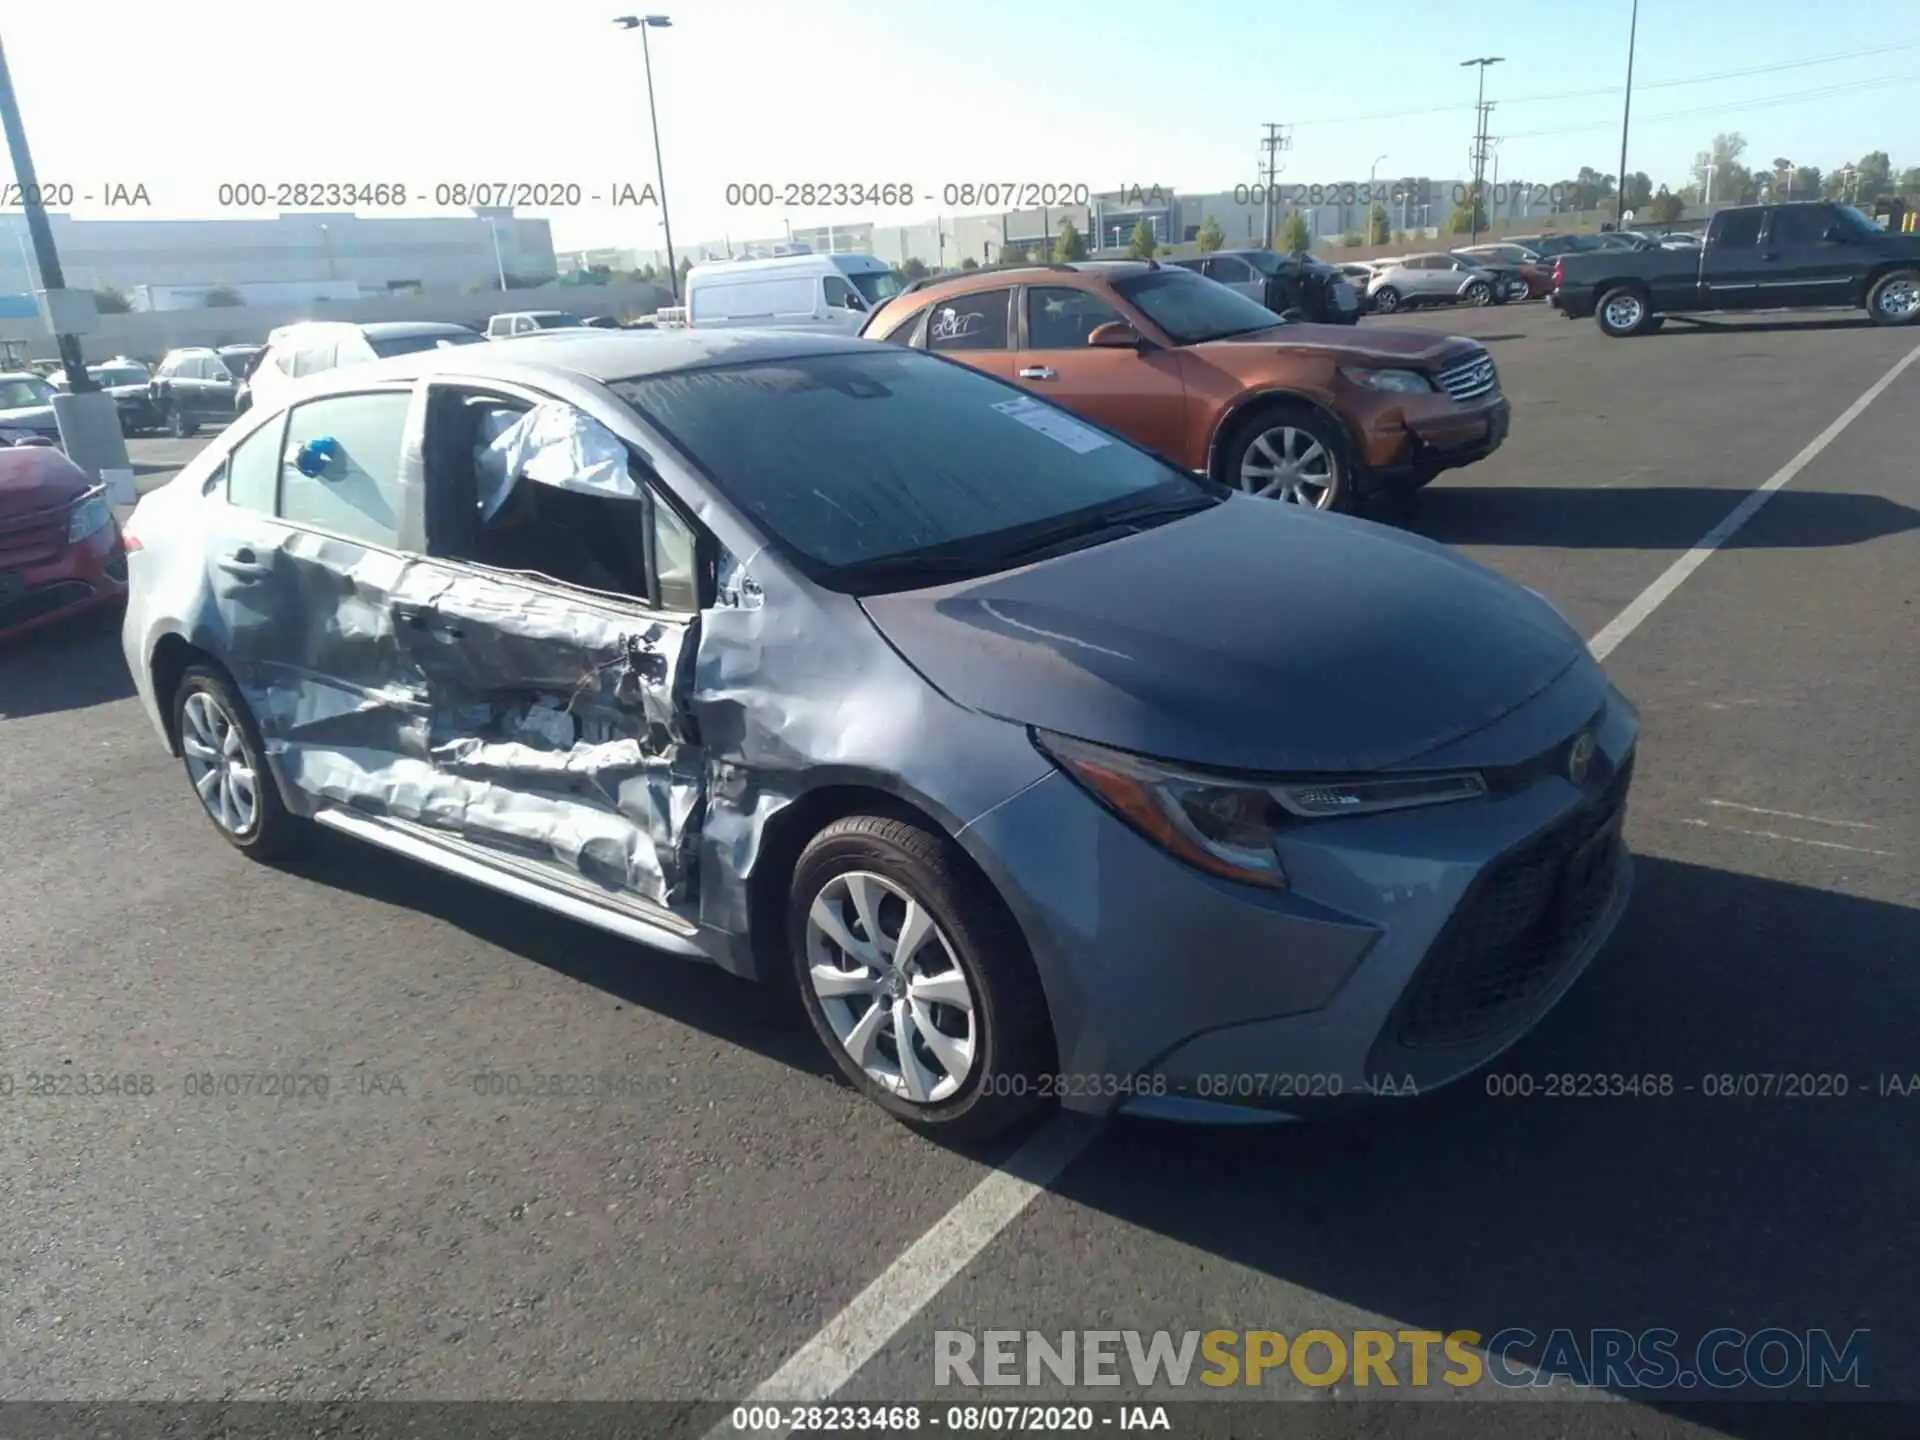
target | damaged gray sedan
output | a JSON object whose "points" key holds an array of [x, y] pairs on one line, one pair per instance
{"points": [[1039, 769]]}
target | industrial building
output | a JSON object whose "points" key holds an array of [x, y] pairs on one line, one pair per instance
{"points": [[335, 252]]}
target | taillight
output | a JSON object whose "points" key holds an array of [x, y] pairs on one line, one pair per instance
{"points": [[129, 541], [1559, 274]]}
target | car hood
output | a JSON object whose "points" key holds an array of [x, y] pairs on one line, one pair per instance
{"points": [[1253, 636], [1367, 344], [38, 479]]}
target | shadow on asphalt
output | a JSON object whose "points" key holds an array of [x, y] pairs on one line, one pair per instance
{"points": [[68, 666], [1667, 517], [1464, 1211], [1683, 325], [757, 1017]]}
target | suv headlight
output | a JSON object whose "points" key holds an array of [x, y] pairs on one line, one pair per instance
{"points": [[89, 517], [1408, 382], [1225, 825]]}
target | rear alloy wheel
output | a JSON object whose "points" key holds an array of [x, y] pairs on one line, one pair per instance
{"points": [[1386, 300], [1623, 312], [1895, 298], [178, 425], [225, 764], [916, 979], [1478, 293], [1292, 456]]}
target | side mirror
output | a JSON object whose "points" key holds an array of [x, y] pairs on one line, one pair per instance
{"points": [[313, 457], [1116, 335]]}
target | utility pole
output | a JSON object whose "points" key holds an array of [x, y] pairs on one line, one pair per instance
{"points": [[1482, 110], [1626, 110], [1277, 138]]}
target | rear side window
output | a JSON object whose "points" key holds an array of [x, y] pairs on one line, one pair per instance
{"points": [[312, 358], [357, 492], [1739, 229], [1801, 225], [970, 322], [253, 470]]}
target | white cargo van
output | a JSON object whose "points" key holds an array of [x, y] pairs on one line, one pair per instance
{"points": [[831, 292]]}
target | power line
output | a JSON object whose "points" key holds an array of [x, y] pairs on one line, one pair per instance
{"points": [[1616, 89], [1735, 106]]}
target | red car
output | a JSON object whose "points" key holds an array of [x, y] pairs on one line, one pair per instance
{"points": [[60, 548]]}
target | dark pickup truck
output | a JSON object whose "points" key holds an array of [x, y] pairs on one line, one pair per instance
{"points": [[1756, 257]]}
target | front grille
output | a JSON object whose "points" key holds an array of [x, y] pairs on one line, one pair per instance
{"points": [[29, 539], [1471, 378], [35, 603], [1525, 919]]}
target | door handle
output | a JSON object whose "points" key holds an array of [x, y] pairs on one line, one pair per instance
{"points": [[1037, 372], [243, 564]]}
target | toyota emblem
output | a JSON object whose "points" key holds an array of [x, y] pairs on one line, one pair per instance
{"points": [[1580, 757]]}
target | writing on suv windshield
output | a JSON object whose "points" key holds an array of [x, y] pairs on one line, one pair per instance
{"points": [[856, 463], [1193, 310]]}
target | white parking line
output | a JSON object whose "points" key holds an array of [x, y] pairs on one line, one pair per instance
{"points": [[1790, 815], [818, 1369], [1790, 839], [1655, 595]]}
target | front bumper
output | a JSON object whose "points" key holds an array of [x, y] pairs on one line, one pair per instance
{"points": [[80, 578], [1379, 972], [1420, 440]]}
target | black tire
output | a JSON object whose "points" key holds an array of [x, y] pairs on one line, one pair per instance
{"points": [[1013, 1042], [1892, 298], [1623, 311], [1478, 293], [1345, 490], [180, 425], [275, 831], [1386, 300]]}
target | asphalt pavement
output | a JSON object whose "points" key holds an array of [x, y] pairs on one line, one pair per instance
{"points": [[415, 1234]]}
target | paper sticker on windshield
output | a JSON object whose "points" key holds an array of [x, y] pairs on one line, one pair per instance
{"points": [[1053, 424]]}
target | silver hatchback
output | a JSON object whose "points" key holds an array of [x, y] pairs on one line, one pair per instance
{"points": [[994, 737]]}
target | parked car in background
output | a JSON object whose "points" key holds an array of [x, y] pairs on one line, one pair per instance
{"points": [[1359, 274], [1298, 282], [26, 410], [1756, 257], [784, 292], [128, 382], [191, 387], [1682, 240], [526, 322], [602, 322], [239, 359], [1536, 273], [60, 548], [1148, 779], [1315, 415], [1436, 278], [1509, 281], [1547, 247], [313, 347]]}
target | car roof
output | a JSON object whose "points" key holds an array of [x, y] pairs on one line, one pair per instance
{"points": [[605, 355], [396, 329]]}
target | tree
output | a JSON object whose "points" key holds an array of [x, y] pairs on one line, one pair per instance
{"points": [[1211, 236], [111, 300], [969, 263], [1872, 178], [1164, 252], [1294, 234], [1379, 226], [913, 268], [1588, 189], [1069, 245], [221, 297], [1638, 190], [1807, 181], [1467, 217], [1013, 255], [1910, 181], [1665, 207], [1140, 244], [1718, 174]]}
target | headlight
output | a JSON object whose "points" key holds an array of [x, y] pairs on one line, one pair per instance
{"points": [[1408, 382], [89, 517], [1222, 826], [1228, 826]]}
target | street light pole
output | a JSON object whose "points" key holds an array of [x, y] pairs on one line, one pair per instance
{"points": [[644, 23], [1626, 112], [1480, 139]]}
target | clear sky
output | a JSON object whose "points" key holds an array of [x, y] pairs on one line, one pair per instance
{"points": [[183, 97]]}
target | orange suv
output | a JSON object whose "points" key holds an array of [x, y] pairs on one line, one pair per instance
{"points": [[1319, 415]]}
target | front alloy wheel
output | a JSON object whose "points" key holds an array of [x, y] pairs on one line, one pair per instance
{"points": [[1478, 293], [1289, 463]]}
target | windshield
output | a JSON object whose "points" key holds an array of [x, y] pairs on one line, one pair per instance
{"points": [[877, 286], [555, 322], [1265, 261], [19, 393], [390, 345], [1193, 310], [119, 375], [861, 465]]}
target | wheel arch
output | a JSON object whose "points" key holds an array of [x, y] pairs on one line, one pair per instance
{"points": [[1272, 397], [171, 657]]}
